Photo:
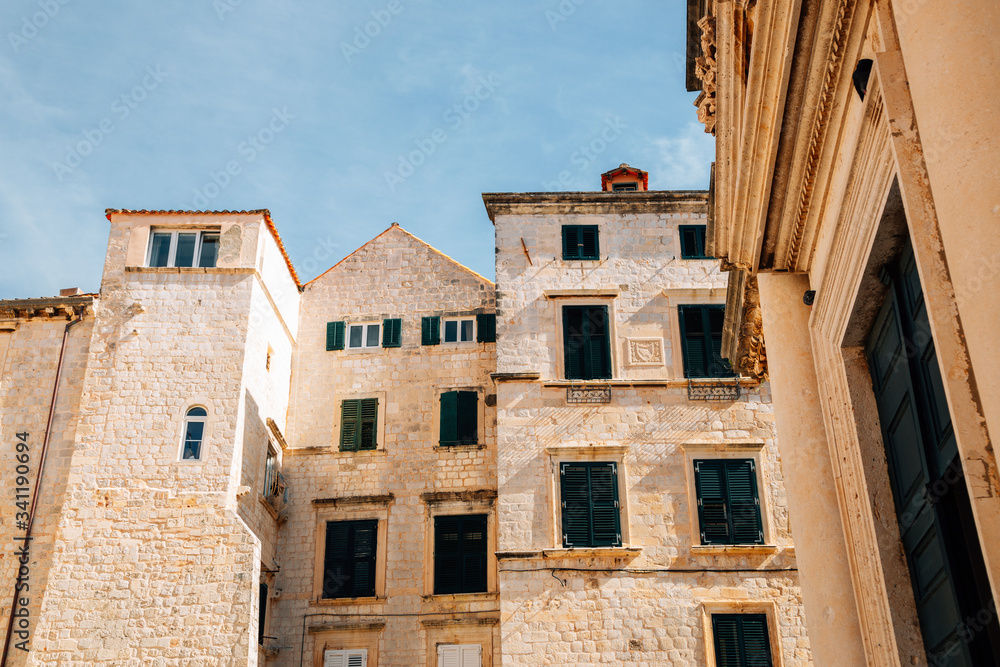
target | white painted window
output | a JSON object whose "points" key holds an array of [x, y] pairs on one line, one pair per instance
{"points": [[350, 658], [363, 335], [186, 248], [460, 655], [194, 434], [460, 330]]}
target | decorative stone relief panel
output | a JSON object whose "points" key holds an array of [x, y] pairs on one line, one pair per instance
{"points": [[645, 351]]}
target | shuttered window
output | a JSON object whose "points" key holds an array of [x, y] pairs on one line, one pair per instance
{"points": [[590, 508], [262, 611], [728, 504], [351, 658], [430, 331], [459, 418], [586, 342], [460, 554], [701, 340], [693, 242], [358, 424], [349, 563], [391, 332], [580, 242], [334, 335], [486, 328], [741, 640], [460, 655]]}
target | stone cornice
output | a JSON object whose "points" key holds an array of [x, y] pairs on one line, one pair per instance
{"points": [[601, 203], [61, 307]]}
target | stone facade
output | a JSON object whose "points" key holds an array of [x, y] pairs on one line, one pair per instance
{"points": [[650, 600], [853, 177]]}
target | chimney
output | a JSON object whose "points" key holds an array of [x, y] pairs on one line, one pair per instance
{"points": [[69, 291], [625, 179]]}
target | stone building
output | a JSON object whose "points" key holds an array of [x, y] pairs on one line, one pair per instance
{"points": [[638, 522], [855, 208], [240, 469]]}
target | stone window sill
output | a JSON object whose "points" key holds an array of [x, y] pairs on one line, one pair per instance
{"points": [[483, 596], [458, 448], [734, 549], [580, 552], [333, 602]]}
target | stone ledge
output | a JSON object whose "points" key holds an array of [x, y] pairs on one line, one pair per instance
{"points": [[339, 602], [738, 549], [476, 495], [480, 618], [458, 448], [485, 596], [515, 377], [562, 554], [191, 269], [356, 500], [606, 292], [325, 627]]}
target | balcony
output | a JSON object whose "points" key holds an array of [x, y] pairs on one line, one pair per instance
{"points": [[275, 490]]}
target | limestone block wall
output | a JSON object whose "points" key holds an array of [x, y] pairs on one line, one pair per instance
{"points": [[407, 480], [649, 601], [29, 354]]}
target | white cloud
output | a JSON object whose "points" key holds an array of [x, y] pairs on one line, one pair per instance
{"points": [[683, 160]]}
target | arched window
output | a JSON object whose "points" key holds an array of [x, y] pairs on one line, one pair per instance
{"points": [[194, 433]]}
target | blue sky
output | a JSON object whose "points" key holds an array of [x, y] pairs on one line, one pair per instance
{"points": [[339, 117]]}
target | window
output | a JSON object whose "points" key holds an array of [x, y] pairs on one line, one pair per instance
{"points": [[262, 605], [334, 336], [358, 424], [194, 433], [693, 242], [486, 327], [392, 332], [349, 563], [586, 342], [430, 331], [363, 336], [624, 187], [460, 655], [741, 640], [459, 418], [459, 330], [580, 242], [460, 554], [183, 248], [590, 508], [701, 341], [728, 504], [351, 658]]}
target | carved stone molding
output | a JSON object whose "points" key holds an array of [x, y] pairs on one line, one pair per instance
{"points": [[705, 69], [752, 357], [645, 351]]}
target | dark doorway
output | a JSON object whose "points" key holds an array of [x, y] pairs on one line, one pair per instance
{"points": [[957, 613]]}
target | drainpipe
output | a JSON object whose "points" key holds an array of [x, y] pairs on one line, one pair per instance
{"points": [[38, 483]]}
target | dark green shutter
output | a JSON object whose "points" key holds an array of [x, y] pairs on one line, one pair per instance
{"points": [[391, 330], [368, 430], [349, 561], [262, 613], [365, 536], [701, 339], [334, 335], [586, 342], [713, 513], [571, 241], [349, 410], [728, 502], [693, 242], [430, 331], [449, 418], [591, 516], [468, 422], [486, 328], [741, 640], [581, 242], [460, 544]]}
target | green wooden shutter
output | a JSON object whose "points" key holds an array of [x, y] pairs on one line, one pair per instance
{"points": [[693, 341], [716, 316], [756, 643], [486, 328], [336, 561], [474, 541], [575, 493], [573, 342], [605, 514], [349, 413], [430, 331], [449, 418], [365, 534], [571, 241], [391, 330], [447, 554], [468, 422], [689, 242], [262, 613], [368, 430], [589, 242], [728, 649], [713, 511], [744, 503], [334, 336], [597, 360]]}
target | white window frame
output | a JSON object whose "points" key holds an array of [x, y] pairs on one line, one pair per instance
{"points": [[186, 419], [462, 655], [459, 341], [172, 255], [343, 658], [364, 336]]}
